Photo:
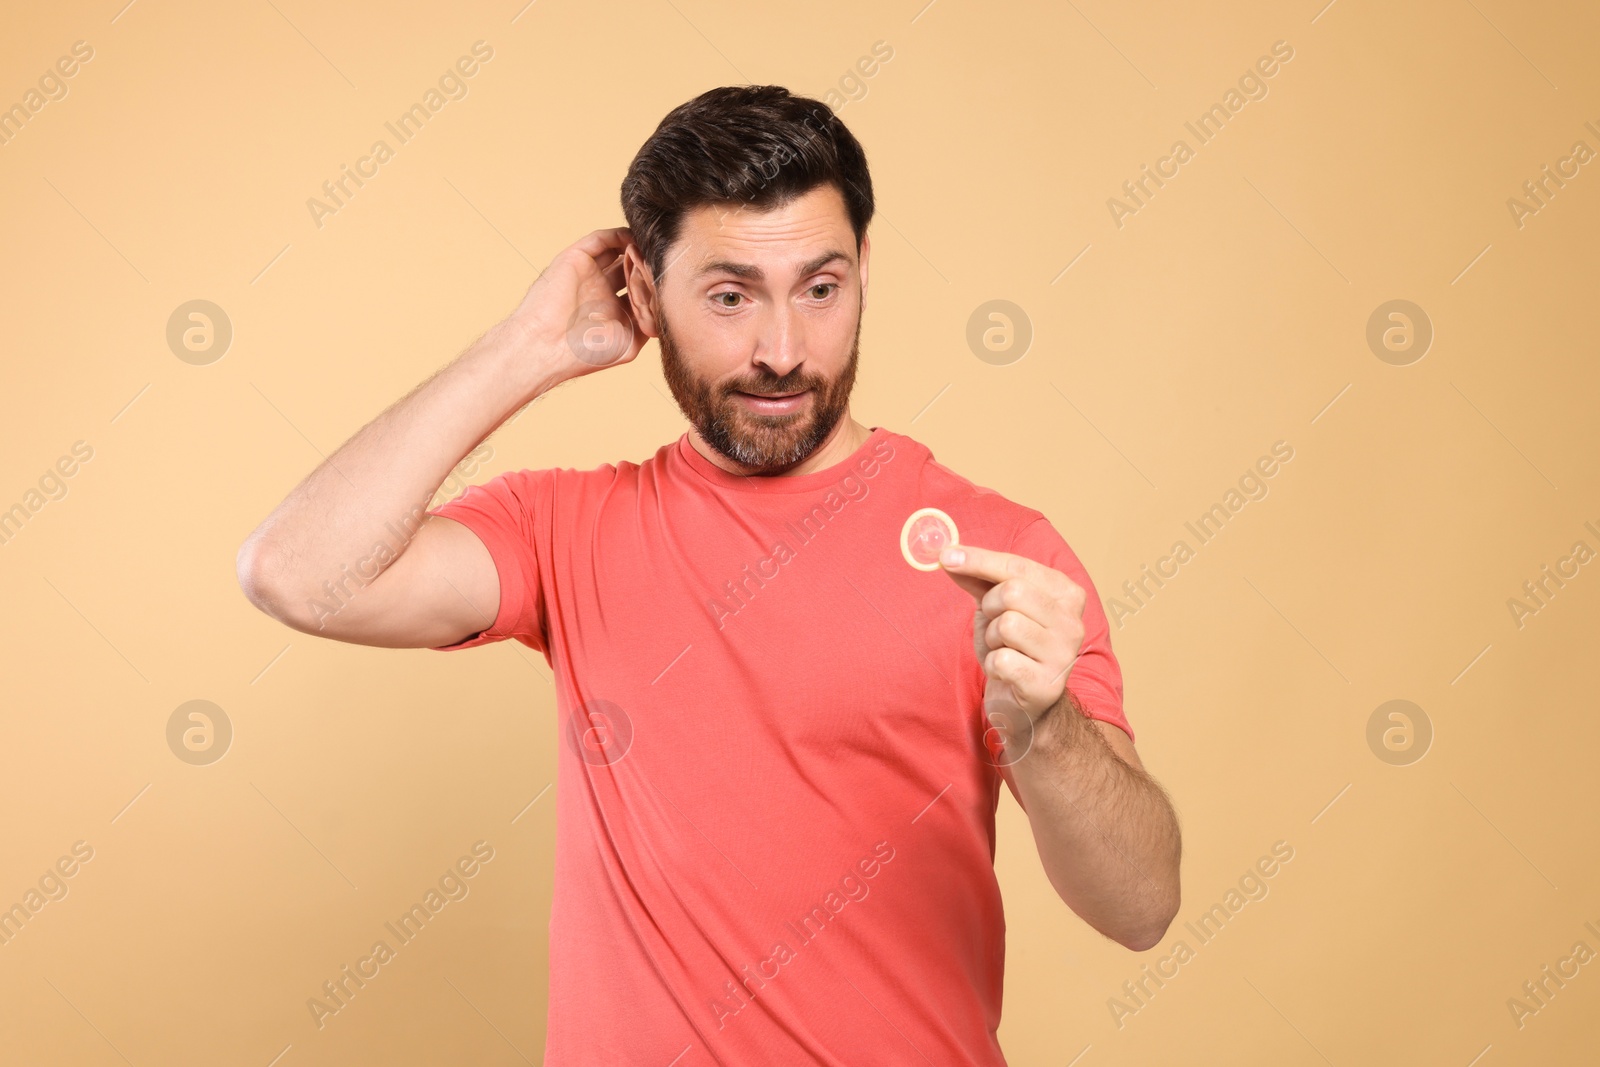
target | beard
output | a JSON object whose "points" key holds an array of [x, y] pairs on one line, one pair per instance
{"points": [[762, 443]]}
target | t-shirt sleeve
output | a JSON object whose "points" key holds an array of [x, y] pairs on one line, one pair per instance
{"points": [[511, 515], [1095, 680]]}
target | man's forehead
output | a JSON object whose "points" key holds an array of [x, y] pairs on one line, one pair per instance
{"points": [[802, 236]]}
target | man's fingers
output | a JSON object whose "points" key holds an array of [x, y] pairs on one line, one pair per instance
{"points": [[1027, 679], [1016, 594], [988, 564], [1027, 624], [610, 261], [1012, 629], [977, 587], [1002, 581], [595, 244]]}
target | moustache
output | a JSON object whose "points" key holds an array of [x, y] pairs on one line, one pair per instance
{"points": [[776, 386]]}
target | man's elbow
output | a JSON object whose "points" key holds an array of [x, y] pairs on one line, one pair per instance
{"points": [[1146, 939], [1148, 935], [259, 570]]}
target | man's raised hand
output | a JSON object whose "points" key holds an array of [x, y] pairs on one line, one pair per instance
{"points": [[572, 313], [1026, 632]]}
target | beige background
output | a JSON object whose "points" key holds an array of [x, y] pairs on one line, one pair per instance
{"points": [[1229, 313]]}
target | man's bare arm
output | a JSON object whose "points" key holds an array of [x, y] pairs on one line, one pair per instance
{"points": [[1106, 831], [435, 583]]}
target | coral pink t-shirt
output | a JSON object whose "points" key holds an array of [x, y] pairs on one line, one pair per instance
{"points": [[775, 793]]}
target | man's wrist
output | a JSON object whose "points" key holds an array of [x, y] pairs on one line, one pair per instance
{"points": [[527, 370], [1061, 725]]}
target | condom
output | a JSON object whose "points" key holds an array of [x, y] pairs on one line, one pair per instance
{"points": [[926, 533]]}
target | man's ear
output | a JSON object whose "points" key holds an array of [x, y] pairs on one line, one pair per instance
{"points": [[866, 253], [641, 290]]}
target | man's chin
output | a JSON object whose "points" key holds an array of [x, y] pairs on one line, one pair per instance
{"points": [[764, 443]]}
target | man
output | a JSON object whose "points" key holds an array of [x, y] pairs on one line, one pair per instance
{"points": [[781, 744]]}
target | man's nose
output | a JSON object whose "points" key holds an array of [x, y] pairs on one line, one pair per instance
{"points": [[780, 346]]}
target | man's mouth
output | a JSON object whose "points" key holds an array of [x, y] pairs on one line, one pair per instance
{"points": [[774, 403]]}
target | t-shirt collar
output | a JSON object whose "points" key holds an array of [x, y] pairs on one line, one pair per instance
{"points": [[780, 483]]}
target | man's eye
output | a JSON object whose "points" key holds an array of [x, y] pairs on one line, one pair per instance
{"points": [[736, 296], [830, 286]]}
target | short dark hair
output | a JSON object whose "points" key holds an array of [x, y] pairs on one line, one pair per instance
{"points": [[758, 145]]}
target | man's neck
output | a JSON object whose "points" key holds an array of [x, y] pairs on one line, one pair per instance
{"points": [[839, 446]]}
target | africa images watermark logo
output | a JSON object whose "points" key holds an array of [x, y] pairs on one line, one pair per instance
{"points": [[451, 85], [1252, 886], [338, 591], [52, 87], [737, 594], [51, 886], [599, 732], [453, 885], [1538, 992], [852, 886], [52, 485], [1252, 85], [1252, 485]]}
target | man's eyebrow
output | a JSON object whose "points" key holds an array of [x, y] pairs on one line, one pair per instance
{"points": [[751, 272]]}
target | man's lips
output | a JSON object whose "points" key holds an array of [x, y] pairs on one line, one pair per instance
{"points": [[773, 403]]}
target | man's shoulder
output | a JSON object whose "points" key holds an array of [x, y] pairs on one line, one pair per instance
{"points": [[992, 518], [583, 474]]}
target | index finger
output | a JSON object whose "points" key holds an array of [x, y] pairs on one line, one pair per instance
{"points": [[601, 241], [989, 564]]}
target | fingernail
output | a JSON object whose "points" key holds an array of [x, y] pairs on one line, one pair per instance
{"points": [[952, 557]]}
